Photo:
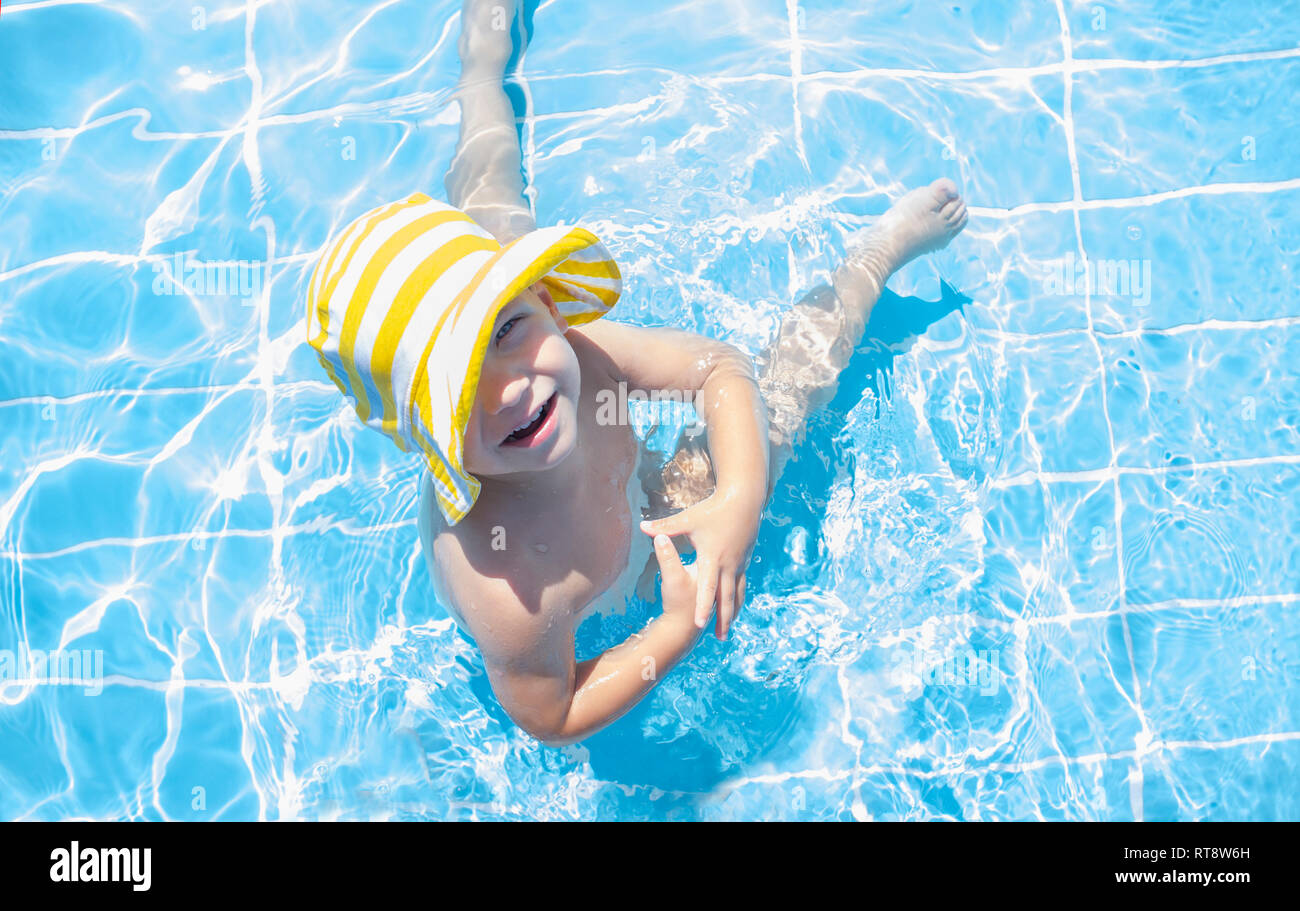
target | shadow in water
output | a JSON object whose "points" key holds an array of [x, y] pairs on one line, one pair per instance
{"points": [[800, 496], [514, 91]]}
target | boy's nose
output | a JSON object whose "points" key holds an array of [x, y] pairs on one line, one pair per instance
{"points": [[513, 389]]}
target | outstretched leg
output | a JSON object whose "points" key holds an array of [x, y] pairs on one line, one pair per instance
{"points": [[485, 179], [798, 372]]}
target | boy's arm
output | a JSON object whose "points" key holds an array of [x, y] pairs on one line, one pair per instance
{"points": [[676, 361], [723, 527], [559, 702]]}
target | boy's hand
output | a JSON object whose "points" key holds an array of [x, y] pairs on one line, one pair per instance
{"points": [[722, 529], [678, 588]]}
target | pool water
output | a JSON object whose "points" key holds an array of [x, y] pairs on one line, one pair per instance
{"points": [[1036, 560]]}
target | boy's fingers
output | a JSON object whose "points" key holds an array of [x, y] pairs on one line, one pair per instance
{"points": [[669, 563], [740, 593], [672, 525], [726, 604], [706, 586]]}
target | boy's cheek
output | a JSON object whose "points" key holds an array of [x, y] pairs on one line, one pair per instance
{"points": [[472, 459], [478, 453], [556, 359]]}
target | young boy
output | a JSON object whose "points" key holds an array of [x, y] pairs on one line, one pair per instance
{"points": [[493, 361]]}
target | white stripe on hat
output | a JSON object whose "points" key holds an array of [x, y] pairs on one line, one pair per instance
{"points": [[394, 277]]}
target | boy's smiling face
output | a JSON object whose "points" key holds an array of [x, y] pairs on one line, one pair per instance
{"points": [[525, 409]]}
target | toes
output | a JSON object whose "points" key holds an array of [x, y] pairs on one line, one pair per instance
{"points": [[944, 190], [950, 208]]}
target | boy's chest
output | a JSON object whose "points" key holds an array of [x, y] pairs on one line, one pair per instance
{"points": [[573, 548], [590, 530]]}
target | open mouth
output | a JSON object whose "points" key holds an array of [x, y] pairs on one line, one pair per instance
{"points": [[522, 436]]}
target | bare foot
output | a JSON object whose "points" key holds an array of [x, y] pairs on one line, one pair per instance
{"points": [[921, 222]]}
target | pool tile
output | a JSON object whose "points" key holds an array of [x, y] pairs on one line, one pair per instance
{"points": [[199, 781], [956, 412], [61, 210], [95, 774], [102, 495], [936, 129], [1009, 267], [732, 37], [1210, 532], [141, 629], [102, 44], [1078, 686], [1238, 783], [355, 54], [933, 697], [380, 157], [1052, 547], [1203, 396], [820, 795], [111, 640], [1052, 417], [388, 570], [136, 497], [31, 765], [945, 37], [1218, 673], [1178, 29], [1150, 131], [1097, 789], [137, 311], [636, 152], [1198, 252]]}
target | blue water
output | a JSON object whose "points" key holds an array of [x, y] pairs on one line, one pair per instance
{"points": [[1036, 560]]}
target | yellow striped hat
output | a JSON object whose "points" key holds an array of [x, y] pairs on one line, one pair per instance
{"points": [[401, 306]]}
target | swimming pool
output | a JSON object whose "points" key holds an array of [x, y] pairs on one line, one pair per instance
{"points": [[1036, 560]]}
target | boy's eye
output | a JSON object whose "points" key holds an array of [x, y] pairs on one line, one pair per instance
{"points": [[506, 327]]}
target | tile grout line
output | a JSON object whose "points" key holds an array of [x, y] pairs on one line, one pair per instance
{"points": [[1084, 65], [1099, 475], [1020, 73], [1141, 201], [1209, 325], [251, 154], [1113, 472], [796, 76], [1144, 736], [1117, 202], [1028, 765], [529, 117]]}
